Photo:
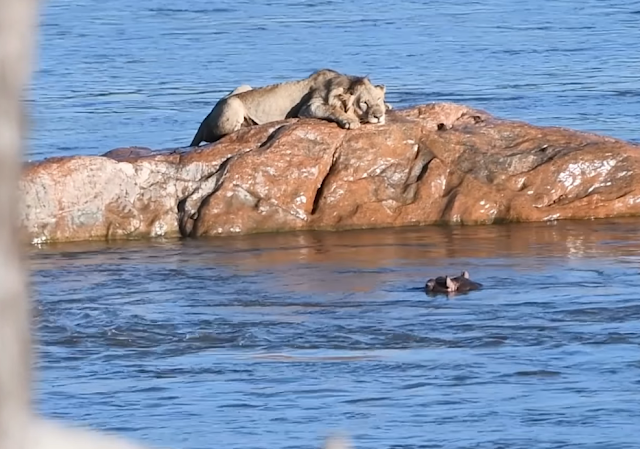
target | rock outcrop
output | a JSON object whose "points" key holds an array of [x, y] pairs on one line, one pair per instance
{"points": [[439, 163]]}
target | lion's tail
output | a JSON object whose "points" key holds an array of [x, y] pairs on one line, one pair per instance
{"points": [[198, 137]]}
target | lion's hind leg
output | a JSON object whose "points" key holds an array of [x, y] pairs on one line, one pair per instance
{"points": [[226, 117], [229, 118]]}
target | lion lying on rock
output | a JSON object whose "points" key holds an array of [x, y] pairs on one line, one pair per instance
{"points": [[325, 94]]}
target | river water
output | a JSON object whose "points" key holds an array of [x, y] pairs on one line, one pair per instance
{"points": [[272, 341]]}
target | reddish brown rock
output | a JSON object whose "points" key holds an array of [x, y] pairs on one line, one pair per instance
{"points": [[438, 163]]}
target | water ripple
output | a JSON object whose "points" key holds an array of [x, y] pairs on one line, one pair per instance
{"points": [[265, 340]]}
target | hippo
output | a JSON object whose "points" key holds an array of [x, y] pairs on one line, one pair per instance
{"points": [[457, 284]]}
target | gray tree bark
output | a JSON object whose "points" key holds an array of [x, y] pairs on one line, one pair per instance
{"points": [[17, 37]]}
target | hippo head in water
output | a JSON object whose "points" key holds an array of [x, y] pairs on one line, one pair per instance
{"points": [[457, 284]]}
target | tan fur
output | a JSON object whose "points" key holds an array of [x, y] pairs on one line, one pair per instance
{"points": [[258, 106], [348, 101], [240, 89]]}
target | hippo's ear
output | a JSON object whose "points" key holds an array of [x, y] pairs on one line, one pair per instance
{"points": [[465, 274], [451, 285]]}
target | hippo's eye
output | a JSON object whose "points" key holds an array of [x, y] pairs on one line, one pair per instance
{"points": [[363, 105]]}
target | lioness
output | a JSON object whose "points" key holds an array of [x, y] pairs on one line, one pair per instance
{"points": [[325, 94]]}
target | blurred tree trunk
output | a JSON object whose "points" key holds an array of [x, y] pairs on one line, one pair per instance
{"points": [[17, 41]]}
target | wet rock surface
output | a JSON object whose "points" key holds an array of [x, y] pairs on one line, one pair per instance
{"points": [[437, 163]]}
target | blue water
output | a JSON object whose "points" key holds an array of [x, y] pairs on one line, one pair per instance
{"points": [[123, 73], [273, 341], [267, 342]]}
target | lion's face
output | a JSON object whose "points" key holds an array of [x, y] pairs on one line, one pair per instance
{"points": [[368, 103]]}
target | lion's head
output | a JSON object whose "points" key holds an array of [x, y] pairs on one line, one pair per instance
{"points": [[366, 101]]}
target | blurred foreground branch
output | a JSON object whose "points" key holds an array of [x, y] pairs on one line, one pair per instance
{"points": [[17, 38]]}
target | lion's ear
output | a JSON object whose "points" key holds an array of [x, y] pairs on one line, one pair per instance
{"points": [[382, 88]]}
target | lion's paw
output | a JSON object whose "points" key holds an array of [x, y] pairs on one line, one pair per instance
{"points": [[351, 124]]}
